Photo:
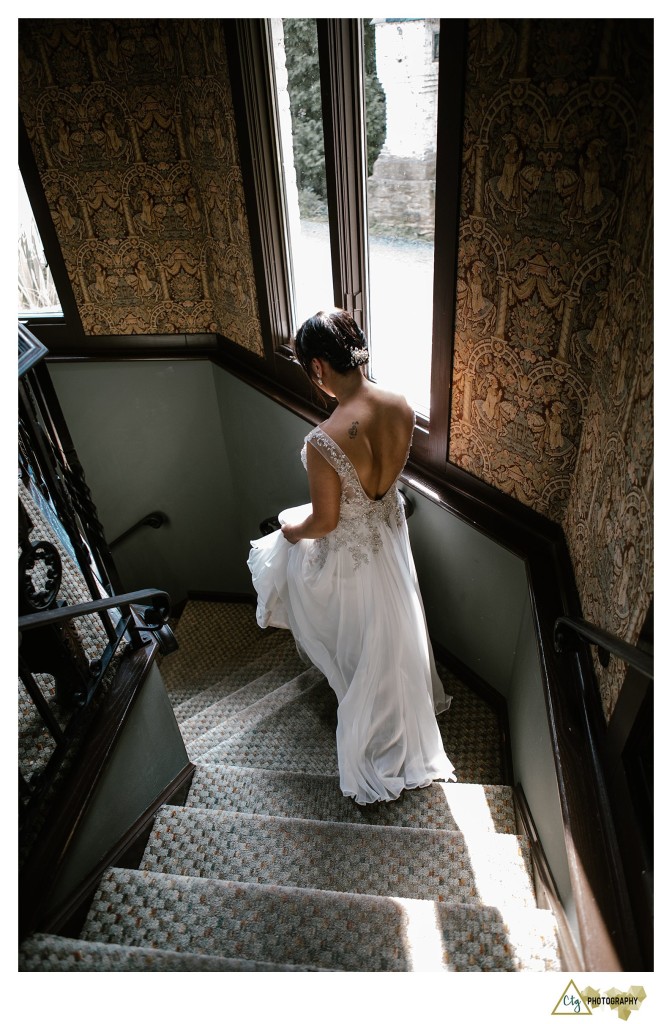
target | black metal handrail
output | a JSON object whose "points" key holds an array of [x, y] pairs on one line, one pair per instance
{"points": [[143, 614], [568, 630], [153, 519], [154, 617]]}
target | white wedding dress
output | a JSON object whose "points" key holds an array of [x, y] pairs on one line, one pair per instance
{"points": [[352, 602]]}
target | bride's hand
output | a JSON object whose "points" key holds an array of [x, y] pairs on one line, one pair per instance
{"points": [[289, 533]]}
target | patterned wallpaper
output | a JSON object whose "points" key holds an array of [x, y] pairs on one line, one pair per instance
{"points": [[553, 350], [133, 130], [132, 126]]}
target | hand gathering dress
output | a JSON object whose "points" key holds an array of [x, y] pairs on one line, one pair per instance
{"points": [[352, 602]]}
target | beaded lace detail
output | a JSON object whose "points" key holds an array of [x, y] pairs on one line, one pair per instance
{"points": [[362, 519]]}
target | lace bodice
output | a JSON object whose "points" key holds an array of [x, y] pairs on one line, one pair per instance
{"points": [[361, 518]]}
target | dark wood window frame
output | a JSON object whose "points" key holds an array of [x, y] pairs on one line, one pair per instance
{"points": [[49, 325], [341, 76]]}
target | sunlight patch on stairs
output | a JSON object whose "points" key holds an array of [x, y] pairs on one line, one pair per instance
{"points": [[469, 807], [423, 935], [267, 867]]}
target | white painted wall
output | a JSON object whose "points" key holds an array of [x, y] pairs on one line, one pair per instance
{"points": [[149, 436], [474, 590]]}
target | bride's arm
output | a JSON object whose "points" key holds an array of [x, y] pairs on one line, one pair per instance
{"points": [[325, 495]]}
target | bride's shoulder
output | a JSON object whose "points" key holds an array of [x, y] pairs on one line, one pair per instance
{"points": [[325, 427], [390, 398], [397, 406]]}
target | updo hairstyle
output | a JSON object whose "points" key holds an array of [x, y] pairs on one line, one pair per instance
{"points": [[333, 336]]}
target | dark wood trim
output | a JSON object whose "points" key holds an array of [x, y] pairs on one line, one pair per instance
{"points": [[58, 919], [450, 133], [481, 505], [221, 596], [577, 728], [548, 897], [634, 692], [289, 388], [489, 695], [125, 346], [342, 80], [629, 753], [634, 827], [62, 818], [48, 237], [248, 49]]}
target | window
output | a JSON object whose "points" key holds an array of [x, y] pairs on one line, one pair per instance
{"points": [[401, 120], [350, 124], [299, 114], [37, 291]]}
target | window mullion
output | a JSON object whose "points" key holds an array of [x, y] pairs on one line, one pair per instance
{"points": [[250, 48], [49, 240], [342, 81], [452, 67]]}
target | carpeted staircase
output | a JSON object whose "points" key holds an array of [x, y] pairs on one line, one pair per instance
{"points": [[267, 867]]}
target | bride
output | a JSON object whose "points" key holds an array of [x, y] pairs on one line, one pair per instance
{"points": [[340, 574]]}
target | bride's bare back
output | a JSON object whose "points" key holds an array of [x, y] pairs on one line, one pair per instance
{"points": [[374, 430]]}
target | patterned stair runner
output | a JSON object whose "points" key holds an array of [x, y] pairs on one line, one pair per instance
{"points": [[435, 881], [431, 864], [235, 687], [58, 953], [446, 805], [269, 693], [335, 931]]}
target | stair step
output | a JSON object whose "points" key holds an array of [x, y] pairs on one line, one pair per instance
{"points": [[382, 860], [272, 869], [44, 952], [453, 806], [330, 930], [234, 693], [302, 733], [278, 695], [231, 682], [213, 636]]}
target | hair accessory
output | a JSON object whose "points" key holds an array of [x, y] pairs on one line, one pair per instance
{"points": [[358, 356]]}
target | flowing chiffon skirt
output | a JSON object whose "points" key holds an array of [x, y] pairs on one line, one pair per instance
{"points": [[358, 617]]}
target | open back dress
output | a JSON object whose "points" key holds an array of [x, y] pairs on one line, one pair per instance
{"points": [[352, 602]]}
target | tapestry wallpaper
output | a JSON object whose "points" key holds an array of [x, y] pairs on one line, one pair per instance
{"points": [[132, 127], [553, 371]]}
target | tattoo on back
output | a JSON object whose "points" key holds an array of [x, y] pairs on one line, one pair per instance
{"points": [[352, 431]]}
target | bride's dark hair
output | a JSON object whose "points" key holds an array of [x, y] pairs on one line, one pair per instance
{"points": [[334, 336]]}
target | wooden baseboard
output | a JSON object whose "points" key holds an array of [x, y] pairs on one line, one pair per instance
{"points": [[224, 597], [548, 897]]}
